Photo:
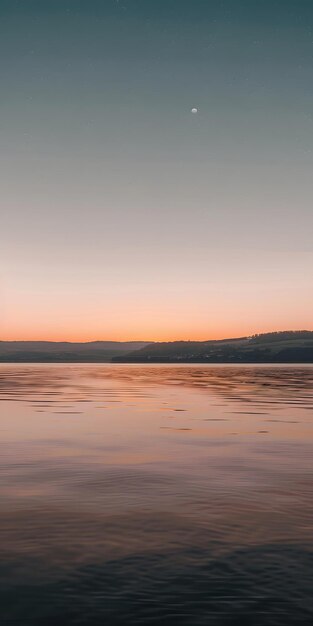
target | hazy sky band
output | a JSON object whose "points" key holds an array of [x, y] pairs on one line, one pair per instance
{"points": [[124, 215]]}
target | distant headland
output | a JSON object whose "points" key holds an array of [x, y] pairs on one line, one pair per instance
{"points": [[275, 347]]}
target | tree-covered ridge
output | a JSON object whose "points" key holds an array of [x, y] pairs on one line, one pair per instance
{"points": [[276, 347]]}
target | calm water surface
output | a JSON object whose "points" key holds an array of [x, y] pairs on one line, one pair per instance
{"points": [[156, 495]]}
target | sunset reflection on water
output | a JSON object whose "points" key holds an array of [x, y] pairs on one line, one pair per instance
{"points": [[148, 494]]}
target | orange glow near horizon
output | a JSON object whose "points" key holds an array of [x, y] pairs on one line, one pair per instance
{"points": [[74, 336], [43, 304], [136, 323], [127, 321]]}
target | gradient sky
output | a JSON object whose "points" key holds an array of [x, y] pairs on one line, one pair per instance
{"points": [[124, 215]]}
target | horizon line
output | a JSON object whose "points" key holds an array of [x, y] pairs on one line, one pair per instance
{"points": [[305, 330]]}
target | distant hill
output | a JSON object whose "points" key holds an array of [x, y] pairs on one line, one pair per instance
{"points": [[278, 347], [50, 351]]}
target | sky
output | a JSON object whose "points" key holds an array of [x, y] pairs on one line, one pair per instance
{"points": [[124, 215]]}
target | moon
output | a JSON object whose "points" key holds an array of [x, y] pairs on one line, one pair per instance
{"points": [[194, 110]]}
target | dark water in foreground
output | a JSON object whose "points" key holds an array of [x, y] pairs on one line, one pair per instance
{"points": [[156, 495]]}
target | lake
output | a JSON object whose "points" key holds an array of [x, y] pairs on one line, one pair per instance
{"points": [[156, 494]]}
